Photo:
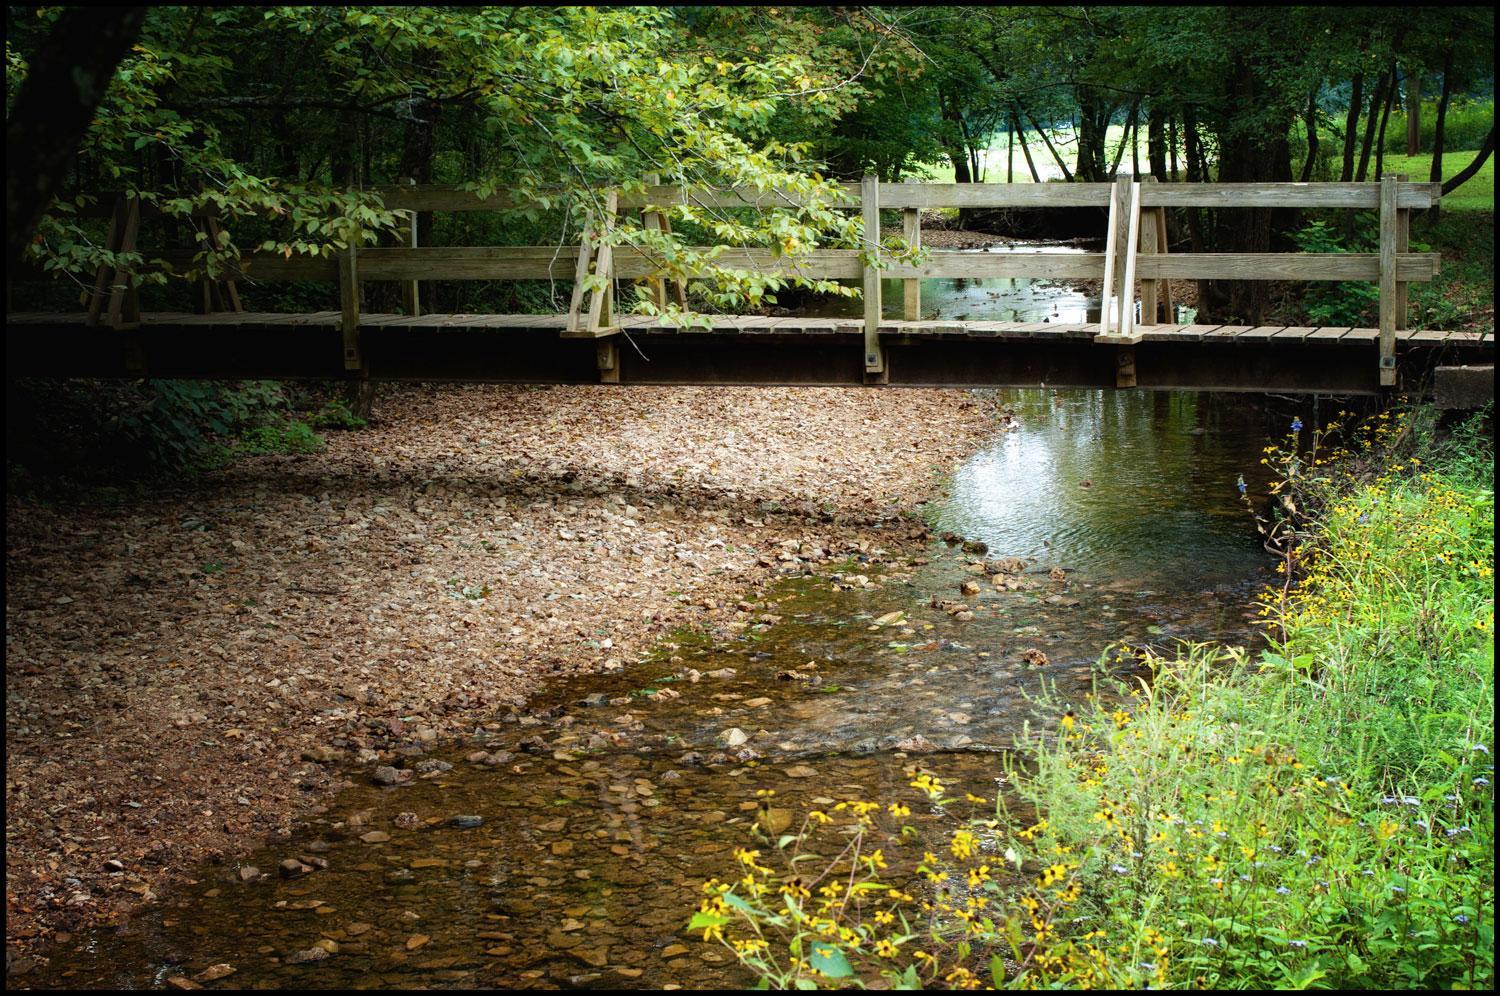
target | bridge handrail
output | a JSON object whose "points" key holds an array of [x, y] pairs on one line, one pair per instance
{"points": [[1134, 250]]}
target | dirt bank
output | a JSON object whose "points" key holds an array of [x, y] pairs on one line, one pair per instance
{"points": [[179, 663]]}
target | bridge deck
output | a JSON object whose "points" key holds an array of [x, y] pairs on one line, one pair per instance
{"points": [[734, 350], [763, 325]]}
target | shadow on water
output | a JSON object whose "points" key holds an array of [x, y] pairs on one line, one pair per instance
{"points": [[567, 847]]}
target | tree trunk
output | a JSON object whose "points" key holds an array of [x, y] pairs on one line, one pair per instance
{"points": [[1351, 126], [1050, 147], [1015, 123], [1310, 119], [1413, 110], [1156, 144], [1247, 155], [1372, 118], [1125, 134], [1442, 116], [66, 79], [1093, 130], [1010, 155], [1172, 143], [1474, 167], [1385, 117]]}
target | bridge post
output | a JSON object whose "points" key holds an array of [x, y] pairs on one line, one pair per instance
{"points": [[1388, 235], [911, 290], [349, 304], [411, 298], [1149, 288], [869, 199]]}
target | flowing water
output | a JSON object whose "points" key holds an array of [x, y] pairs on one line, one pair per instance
{"points": [[568, 847]]}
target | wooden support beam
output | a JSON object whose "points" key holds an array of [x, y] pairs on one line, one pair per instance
{"points": [[607, 358], [1150, 289], [1388, 232], [580, 274], [870, 209], [1403, 243], [124, 309], [1125, 366], [1111, 253], [911, 288], [1159, 215], [411, 296], [1132, 240], [600, 302], [112, 244], [349, 304]]}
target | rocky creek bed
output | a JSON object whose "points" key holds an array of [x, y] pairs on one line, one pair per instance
{"points": [[564, 841]]}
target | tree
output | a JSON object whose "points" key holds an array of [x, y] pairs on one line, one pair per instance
{"points": [[64, 82]]}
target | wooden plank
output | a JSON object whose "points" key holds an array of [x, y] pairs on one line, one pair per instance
{"points": [[994, 195], [1292, 334], [1360, 337], [846, 195], [1229, 332], [1329, 195], [1327, 334], [1413, 266], [1388, 232], [1261, 333], [911, 288], [870, 210], [985, 265]]}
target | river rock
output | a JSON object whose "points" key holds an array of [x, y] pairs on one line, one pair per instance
{"points": [[969, 588], [733, 737], [213, 972], [292, 868], [308, 955], [465, 822], [388, 776]]}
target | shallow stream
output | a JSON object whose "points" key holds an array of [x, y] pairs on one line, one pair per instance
{"points": [[568, 850]]}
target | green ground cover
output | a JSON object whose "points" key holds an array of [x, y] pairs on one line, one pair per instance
{"points": [[1315, 815]]}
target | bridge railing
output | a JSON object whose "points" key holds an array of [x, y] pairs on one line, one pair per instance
{"points": [[1136, 250]]}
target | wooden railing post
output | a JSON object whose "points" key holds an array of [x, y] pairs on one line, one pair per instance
{"points": [[1150, 297], [1388, 236], [1132, 238], [1111, 258], [911, 289], [411, 297], [602, 300], [349, 304], [1403, 243], [869, 198]]}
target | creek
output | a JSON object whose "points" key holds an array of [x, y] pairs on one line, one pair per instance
{"points": [[568, 849]]}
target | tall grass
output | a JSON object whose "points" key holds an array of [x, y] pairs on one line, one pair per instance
{"points": [[1316, 815]]}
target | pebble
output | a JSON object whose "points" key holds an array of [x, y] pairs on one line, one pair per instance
{"points": [[465, 822]]}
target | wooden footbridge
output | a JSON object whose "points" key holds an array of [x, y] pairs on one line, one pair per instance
{"points": [[1134, 344]]}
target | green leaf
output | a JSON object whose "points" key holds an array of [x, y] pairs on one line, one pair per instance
{"points": [[829, 961]]}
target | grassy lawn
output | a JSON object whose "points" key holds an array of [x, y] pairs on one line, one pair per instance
{"points": [[1477, 193]]}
